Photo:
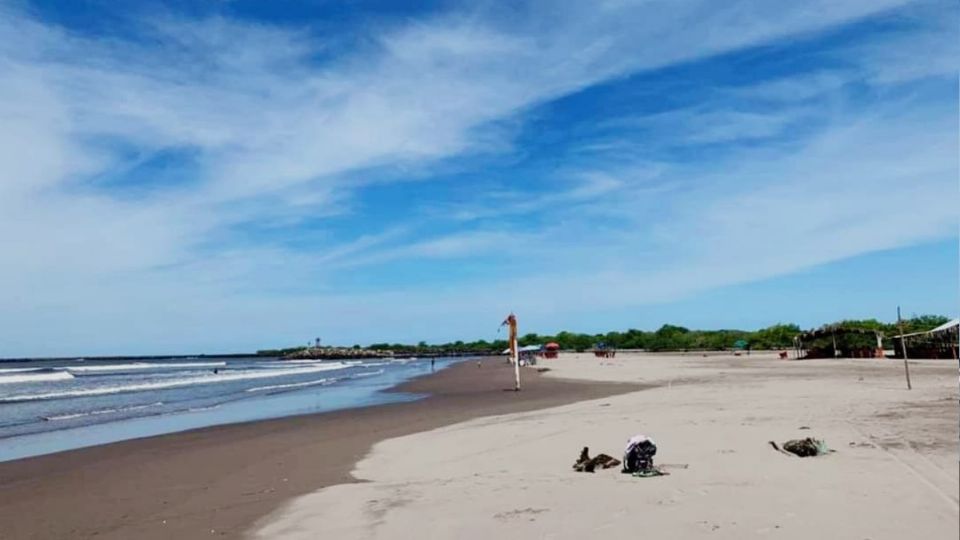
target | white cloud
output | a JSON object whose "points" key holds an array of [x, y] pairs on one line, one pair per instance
{"points": [[798, 87], [275, 134], [926, 45], [702, 125], [882, 182]]}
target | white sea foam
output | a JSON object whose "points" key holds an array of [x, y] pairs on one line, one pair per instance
{"points": [[367, 374], [101, 411], [35, 376], [144, 365], [317, 361], [176, 383], [291, 385], [208, 408], [330, 380]]}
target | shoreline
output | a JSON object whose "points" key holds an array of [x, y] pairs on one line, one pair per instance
{"points": [[222, 479], [342, 389]]}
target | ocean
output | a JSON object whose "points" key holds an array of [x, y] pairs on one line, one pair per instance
{"points": [[54, 405]]}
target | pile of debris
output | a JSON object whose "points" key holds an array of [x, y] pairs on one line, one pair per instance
{"points": [[638, 456], [587, 464], [637, 459], [808, 447]]}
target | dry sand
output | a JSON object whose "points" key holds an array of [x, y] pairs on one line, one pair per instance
{"points": [[894, 474]]}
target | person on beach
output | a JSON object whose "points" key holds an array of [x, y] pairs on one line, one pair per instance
{"points": [[432, 362]]}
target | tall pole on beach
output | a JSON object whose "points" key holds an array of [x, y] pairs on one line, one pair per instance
{"points": [[511, 323], [903, 347]]}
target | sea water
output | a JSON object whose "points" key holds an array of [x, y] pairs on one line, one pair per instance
{"points": [[53, 405]]}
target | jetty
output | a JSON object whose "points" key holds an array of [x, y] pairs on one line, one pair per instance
{"points": [[336, 353]]}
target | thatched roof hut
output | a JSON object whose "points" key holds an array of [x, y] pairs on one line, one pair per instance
{"points": [[939, 342], [837, 341]]}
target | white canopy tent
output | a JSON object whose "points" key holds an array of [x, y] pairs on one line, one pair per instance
{"points": [[528, 348]]}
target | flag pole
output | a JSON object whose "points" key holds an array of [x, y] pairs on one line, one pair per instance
{"points": [[511, 322], [903, 346]]}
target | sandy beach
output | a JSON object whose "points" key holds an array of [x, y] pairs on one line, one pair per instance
{"points": [[302, 269], [218, 481], [894, 473]]}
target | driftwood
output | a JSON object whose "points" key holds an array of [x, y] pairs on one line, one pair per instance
{"points": [[587, 464]]}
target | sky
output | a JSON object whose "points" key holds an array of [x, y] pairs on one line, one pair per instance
{"points": [[214, 176]]}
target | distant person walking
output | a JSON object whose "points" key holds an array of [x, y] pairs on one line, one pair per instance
{"points": [[433, 361]]}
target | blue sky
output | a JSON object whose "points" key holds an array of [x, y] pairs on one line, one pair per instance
{"points": [[213, 176]]}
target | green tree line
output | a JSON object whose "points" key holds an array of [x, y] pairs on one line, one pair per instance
{"points": [[667, 338]]}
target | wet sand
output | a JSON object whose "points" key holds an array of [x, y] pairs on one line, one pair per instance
{"points": [[219, 481]]}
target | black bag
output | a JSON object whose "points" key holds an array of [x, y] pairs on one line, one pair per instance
{"points": [[639, 457]]}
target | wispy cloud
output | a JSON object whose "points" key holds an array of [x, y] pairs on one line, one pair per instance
{"points": [[239, 123]]}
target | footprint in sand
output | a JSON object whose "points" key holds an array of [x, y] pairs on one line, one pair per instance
{"points": [[520, 514]]}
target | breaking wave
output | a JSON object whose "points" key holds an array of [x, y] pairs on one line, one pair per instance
{"points": [[158, 385], [291, 385], [38, 375], [144, 365], [71, 416], [329, 380]]}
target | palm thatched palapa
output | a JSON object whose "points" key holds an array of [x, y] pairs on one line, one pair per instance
{"points": [[836, 341], [940, 342]]}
